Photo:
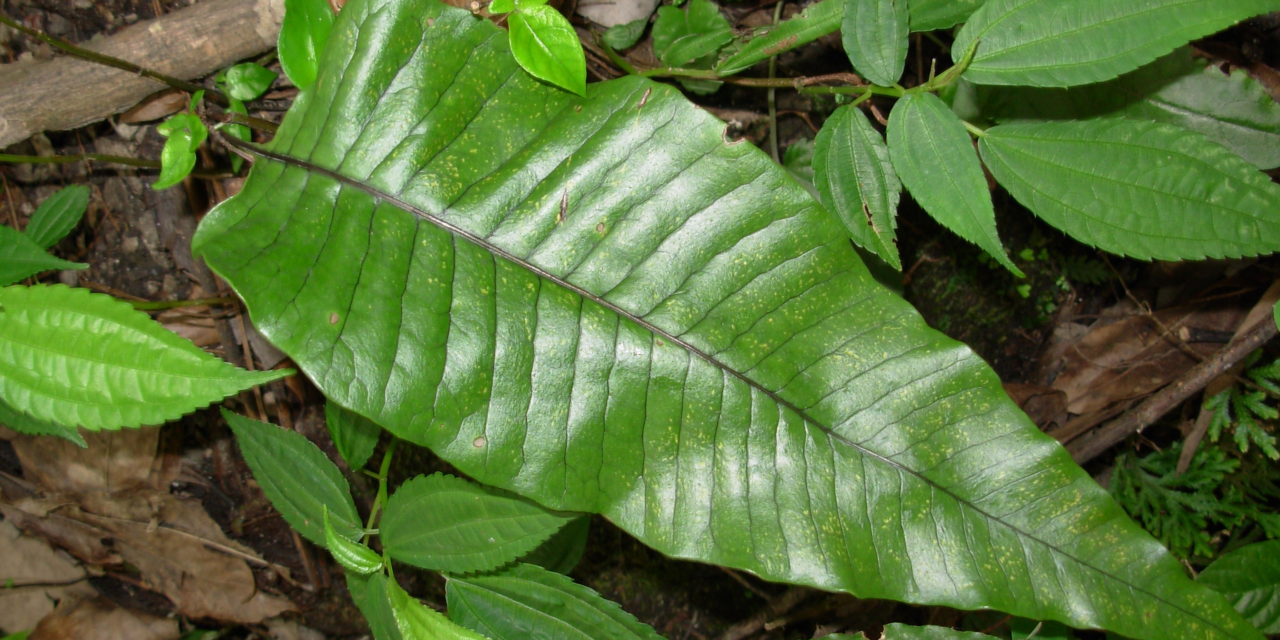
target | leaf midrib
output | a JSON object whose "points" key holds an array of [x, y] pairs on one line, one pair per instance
{"points": [[480, 242]]}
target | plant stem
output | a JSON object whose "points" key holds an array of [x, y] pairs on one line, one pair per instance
{"points": [[98, 157], [384, 471], [772, 95], [103, 59]]}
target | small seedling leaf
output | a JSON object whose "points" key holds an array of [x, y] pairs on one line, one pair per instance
{"points": [[856, 181], [353, 435], [113, 366], [545, 45], [449, 524], [248, 80], [875, 38], [303, 33], [1250, 579], [1050, 43], [297, 478], [933, 156], [527, 601], [695, 31], [418, 622], [1191, 199], [185, 133], [626, 35], [21, 257], [498, 7], [58, 215]]}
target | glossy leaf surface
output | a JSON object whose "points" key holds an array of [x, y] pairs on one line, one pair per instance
{"points": [[21, 257], [1233, 110], [57, 215], [1250, 578], [184, 133], [297, 478], [545, 44], [86, 359], [302, 36], [935, 160], [601, 304], [856, 180], [446, 523], [874, 33], [1051, 43], [1163, 192], [527, 601], [351, 555]]}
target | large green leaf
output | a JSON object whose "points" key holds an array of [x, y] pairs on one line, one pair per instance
{"points": [[856, 180], [603, 305], [86, 359], [927, 15], [1233, 110], [1163, 192], [1250, 578], [446, 523], [935, 159], [527, 601], [1052, 43], [874, 33]]}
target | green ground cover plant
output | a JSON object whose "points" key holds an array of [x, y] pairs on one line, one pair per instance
{"points": [[589, 301]]}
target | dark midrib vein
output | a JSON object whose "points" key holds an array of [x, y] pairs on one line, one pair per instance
{"points": [[710, 359]]}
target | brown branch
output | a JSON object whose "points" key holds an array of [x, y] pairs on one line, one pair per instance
{"points": [[65, 92], [1088, 447]]}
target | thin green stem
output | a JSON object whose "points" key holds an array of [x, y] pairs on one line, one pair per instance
{"points": [[124, 65], [977, 131], [384, 472]]}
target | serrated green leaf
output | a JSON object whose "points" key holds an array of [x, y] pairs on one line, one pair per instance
{"points": [[928, 15], [563, 550], [369, 593], [24, 423], [297, 477], [351, 555], [545, 44], [57, 215], [449, 524], [527, 601], [645, 321], [1250, 579], [624, 36], [1051, 43], [354, 436], [1233, 110], [682, 35], [856, 180], [1163, 192], [900, 631], [817, 20], [874, 33], [302, 37], [79, 358], [20, 257], [247, 80], [935, 160], [184, 133], [415, 621]]}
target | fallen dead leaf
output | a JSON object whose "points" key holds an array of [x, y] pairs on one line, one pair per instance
{"points": [[41, 577], [96, 618]]}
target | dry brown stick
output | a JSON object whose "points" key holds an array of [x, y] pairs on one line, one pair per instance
{"points": [[1086, 448], [65, 92]]}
